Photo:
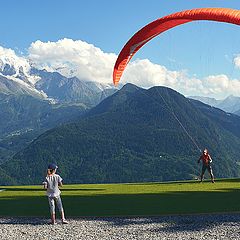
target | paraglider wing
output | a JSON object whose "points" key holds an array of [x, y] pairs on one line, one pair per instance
{"points": [[163, 24]]}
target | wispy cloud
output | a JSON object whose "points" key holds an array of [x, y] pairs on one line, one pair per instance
{"points": [[236, 61]]}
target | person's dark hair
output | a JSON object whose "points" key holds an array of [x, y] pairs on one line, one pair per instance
{"points": [[205, 150], [50, 171]]}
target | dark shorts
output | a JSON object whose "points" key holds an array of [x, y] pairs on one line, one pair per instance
{"points": [[208, 167]]}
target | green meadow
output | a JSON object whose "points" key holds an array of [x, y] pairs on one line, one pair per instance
{"points": [[133, 199]]}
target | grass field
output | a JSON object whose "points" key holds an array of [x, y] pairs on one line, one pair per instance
{"points": [[140, 199]]}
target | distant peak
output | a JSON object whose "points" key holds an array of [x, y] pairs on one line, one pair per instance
{"points": [[129, 87], [231, 97]]}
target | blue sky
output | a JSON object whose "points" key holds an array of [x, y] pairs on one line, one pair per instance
{"points": [[200, 48]]}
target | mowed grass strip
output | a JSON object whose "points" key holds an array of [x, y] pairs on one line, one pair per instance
{"points": [[136, 199]]}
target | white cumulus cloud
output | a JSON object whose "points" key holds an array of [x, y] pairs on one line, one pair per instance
{"points": [[90, 63], [217, 86], [87, 62], [146, 74], [73, 58]]}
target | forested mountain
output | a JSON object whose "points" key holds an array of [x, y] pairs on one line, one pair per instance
{"points": [[33, 101], [24, 117], [132, 136]]}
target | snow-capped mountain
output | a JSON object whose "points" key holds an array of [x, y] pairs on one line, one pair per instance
{"points": [[71, 90], [18, 76], [13, 86], [33, 101], [17, 67]]}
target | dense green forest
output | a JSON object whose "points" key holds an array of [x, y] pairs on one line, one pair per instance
{"points": [[135, 135], [23, 118]]}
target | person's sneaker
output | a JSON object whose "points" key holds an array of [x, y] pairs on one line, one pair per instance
{"points": [[64, 221], [52, 223]]}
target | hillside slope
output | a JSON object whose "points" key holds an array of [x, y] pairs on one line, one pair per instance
{"points": [[24, 117], [134, 135]]}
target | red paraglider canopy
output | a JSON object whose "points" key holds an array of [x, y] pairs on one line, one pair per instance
{"points": [[163, 24]]}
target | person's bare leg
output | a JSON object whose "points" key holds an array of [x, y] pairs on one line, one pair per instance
{"points": [[62, 215], [64, 221], [53, 218], [52, 210], [60, 208]]}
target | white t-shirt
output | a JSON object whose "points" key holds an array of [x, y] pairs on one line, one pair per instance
{"points": [[52, 185]]}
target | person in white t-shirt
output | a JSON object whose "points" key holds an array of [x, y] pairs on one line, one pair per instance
{"points": [[52, 183]]}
